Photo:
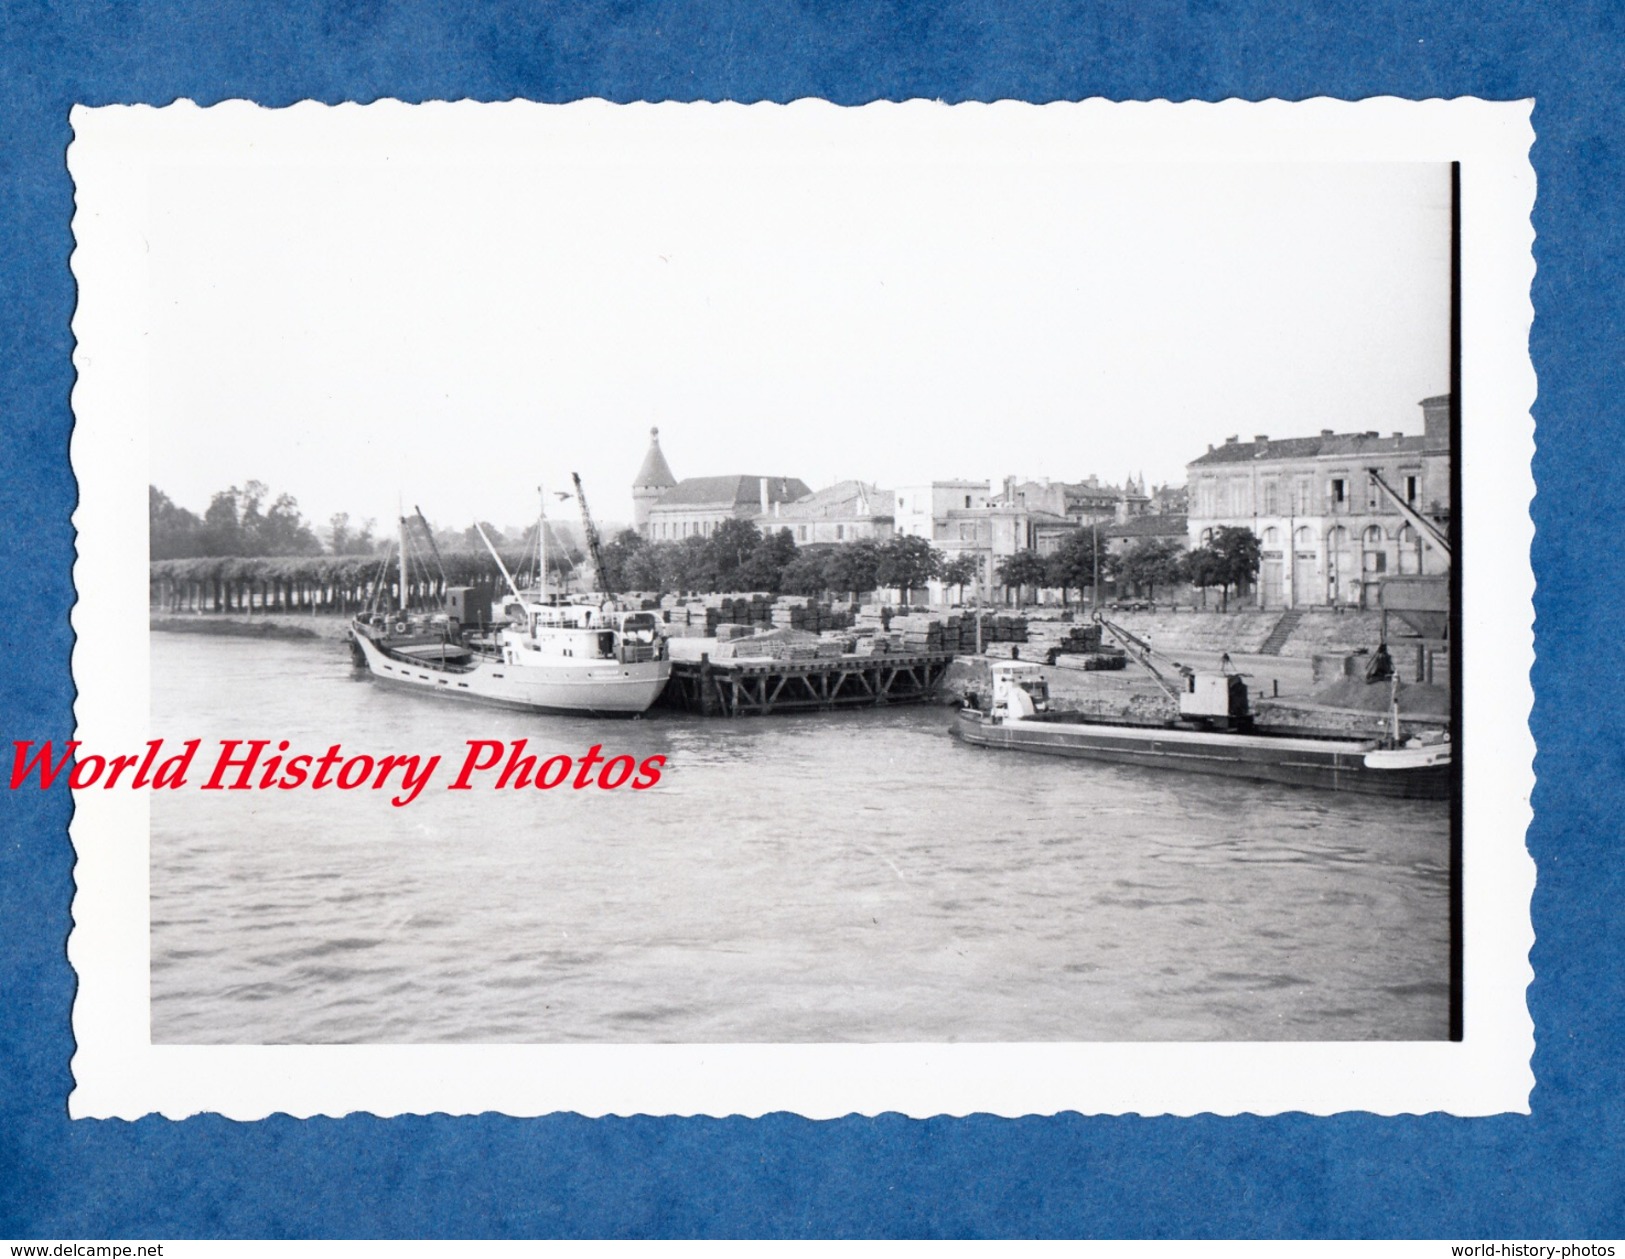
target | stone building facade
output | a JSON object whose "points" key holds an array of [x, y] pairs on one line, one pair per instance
{"points": [[843, 512], [665, 509], [1328, 533]]}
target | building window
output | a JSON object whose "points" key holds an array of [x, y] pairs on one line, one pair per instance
{"points": [[1411, 489], [967, 500], [1271, 503], [801, 532], [840, 532], [901, 504], [1340, 494]]}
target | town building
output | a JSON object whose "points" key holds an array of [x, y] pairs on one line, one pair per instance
{"points": [[922, 509], [1082, 502], [668, 510], [1168, 500], [843, 512], [1329, 534], [1120, 536], [654, 478]]}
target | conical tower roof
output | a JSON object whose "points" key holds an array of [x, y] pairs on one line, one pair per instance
{"points": [[655, 472]]}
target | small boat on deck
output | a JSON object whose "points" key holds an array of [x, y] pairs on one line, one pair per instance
{"points": [[1214, 734]]}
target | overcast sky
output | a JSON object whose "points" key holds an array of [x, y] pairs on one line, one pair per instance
{"points": [[354, 305]]}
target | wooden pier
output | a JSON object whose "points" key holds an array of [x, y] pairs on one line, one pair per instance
{"points": [[755, 688]]}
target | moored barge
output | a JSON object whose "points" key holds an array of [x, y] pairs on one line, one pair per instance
{"points": [[1215, 736]]}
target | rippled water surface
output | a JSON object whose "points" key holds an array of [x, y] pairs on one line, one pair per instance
{"points": [[856, 876]]}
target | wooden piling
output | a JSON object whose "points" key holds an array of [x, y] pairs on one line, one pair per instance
{"points": [[759, 688]]}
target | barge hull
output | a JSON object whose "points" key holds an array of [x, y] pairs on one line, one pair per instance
{"points": [[1336, 765]]}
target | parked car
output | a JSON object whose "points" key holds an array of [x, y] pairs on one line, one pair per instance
{"points": [[1132, 605]]}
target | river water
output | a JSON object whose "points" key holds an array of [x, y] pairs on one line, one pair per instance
{"points": [[855, 876]]}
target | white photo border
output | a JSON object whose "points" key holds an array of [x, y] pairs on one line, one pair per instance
{"points": [[120, 1073]]}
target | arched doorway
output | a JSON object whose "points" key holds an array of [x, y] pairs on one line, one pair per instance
{"points": [[1410, 550], [1305, 565], [1270, 575], [1342, 568], [1373, 562]]}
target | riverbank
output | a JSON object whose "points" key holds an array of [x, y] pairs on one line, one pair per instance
{"points": [[262, 625]]}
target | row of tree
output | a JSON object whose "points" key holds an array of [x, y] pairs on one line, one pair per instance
{"points": [[197, 555], [738, 556], [237, 522], [1229, 561]]}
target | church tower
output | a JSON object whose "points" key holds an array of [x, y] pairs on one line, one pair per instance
{"points": [[654, 478]]}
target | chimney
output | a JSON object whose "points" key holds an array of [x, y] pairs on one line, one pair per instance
{"points": [[764, 495], [1326, 432], [1398, 434], [1371, 433], [1261, 438], [1210, 448], [1436, 423]]}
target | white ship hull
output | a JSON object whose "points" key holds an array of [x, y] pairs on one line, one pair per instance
{"points": [[562, 685]]}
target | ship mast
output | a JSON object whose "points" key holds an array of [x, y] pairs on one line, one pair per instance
{"points": [[400, 511], [541, 543]]}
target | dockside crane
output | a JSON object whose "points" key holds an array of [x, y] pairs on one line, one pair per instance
{"points": [[1418, 521], [1146, 656], [594, 544], [1206, 697]]}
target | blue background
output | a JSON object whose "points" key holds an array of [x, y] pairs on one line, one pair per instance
{"points": [[1555, 1174]]}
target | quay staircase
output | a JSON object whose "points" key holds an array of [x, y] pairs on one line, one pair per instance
{"points": [[1282, 631]]}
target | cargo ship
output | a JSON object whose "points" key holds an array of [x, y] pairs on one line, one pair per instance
{"points": [[541, 657], [542, 653]]}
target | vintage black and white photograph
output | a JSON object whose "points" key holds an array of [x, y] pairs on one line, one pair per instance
{"points": [[708, 576]]}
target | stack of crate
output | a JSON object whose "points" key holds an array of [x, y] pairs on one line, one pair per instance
{"points": [[1000, 628], [1079, 639]]}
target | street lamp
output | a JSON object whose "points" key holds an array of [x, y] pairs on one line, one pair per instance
{"points": [[1094, 532]]}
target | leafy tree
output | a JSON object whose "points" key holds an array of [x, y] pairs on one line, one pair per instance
{"points": [[960, 571], [1072, 564], [172, 532], [338, 532], [618, 555], [853, 567], [283, 531], [907, 562], [469, 539], [1240, 552], [1151, 562], [809, 572], [1229, 559], [1023, 569], [642, 569], [729, 548], [222, 532], [764, 569], [237, 524]]}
